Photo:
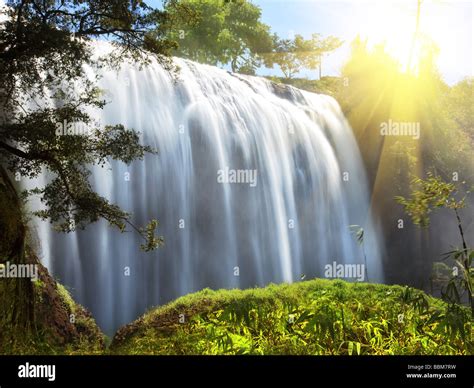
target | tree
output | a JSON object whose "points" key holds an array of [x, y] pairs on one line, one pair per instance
{"points": [[292, 55], [328, 45], [284, 55], [219, 32], [461, 106], [44, 46], [434, 193]]}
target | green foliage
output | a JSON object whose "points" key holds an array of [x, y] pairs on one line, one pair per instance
{"points": [[219, 32], [318, 317], [461, 106], [433, 193], [152, 242], [460, 278], [44, 50], [376, 89], [292, 55], [66, 297]]}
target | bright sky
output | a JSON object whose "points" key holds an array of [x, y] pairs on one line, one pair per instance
{"points": [[448, 23]]}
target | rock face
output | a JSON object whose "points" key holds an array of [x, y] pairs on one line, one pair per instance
{"points": [[68, 322], [38, 316], [58, 325], [284, 91]]}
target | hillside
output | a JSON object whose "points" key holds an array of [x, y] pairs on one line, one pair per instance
{"points": [[317, 317]]}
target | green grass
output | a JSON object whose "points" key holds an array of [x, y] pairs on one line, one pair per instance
{"points": [[316, 317], [319, 317]]}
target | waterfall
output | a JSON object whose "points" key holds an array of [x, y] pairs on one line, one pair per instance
{"points": [[253, 183]]}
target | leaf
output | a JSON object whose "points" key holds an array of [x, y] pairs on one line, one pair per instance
{"points": [[305, 316]]}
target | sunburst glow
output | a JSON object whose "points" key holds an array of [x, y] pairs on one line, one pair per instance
{"points": [[394, 24]]}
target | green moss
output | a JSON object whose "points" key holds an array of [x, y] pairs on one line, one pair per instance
{"points": [[66, 297], [313, 317], [38, 283]]}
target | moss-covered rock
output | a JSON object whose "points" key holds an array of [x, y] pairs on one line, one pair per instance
{"points": [[37, 316], [61, 326]]}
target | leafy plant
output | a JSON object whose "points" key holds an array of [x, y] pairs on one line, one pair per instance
{"points": [[434, 193], [293, 55]]}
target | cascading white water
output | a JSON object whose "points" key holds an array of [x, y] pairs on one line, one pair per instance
{"points": [[310, 186]]}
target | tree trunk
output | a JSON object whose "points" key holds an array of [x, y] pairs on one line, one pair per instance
{"points": [[233, 64]]}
